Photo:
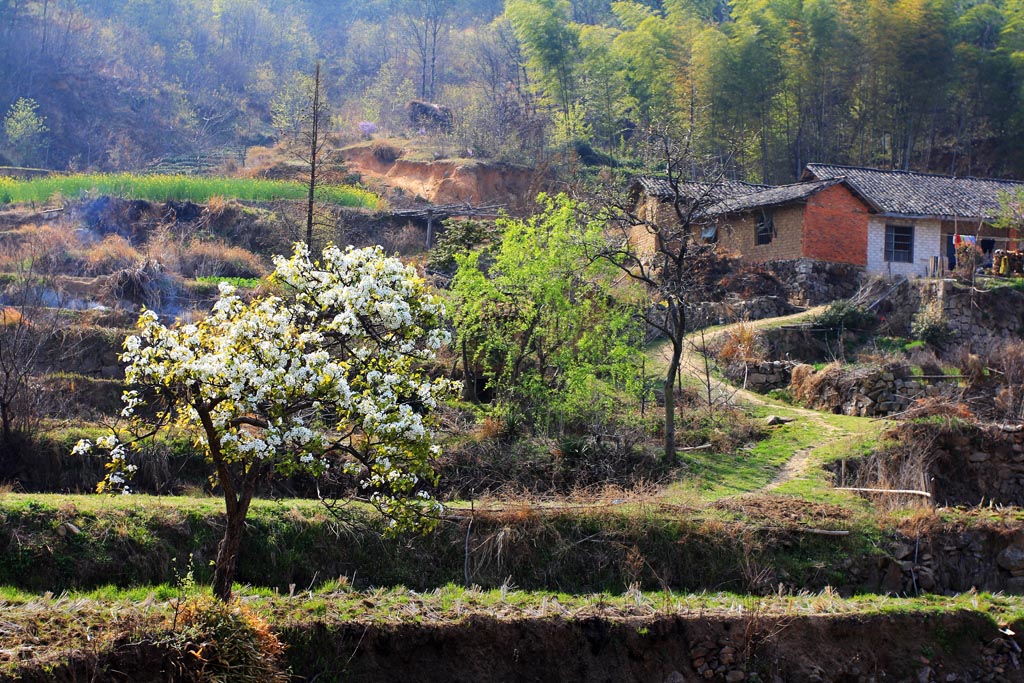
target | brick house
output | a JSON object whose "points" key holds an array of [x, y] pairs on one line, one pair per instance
{"points": [[887, 222], [914, 216]]}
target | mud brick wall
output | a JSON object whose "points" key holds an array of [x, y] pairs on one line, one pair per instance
{"points": [[739, 233]]}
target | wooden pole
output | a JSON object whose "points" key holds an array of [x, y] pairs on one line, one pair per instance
{"points": [[314, 142], [909, 492]]}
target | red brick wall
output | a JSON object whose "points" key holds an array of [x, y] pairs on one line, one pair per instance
{"points": [[836, 227]]}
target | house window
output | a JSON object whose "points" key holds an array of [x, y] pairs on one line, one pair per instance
{"points": [[765, 228], [899, 243]]}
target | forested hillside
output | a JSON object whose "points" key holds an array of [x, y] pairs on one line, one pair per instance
{"points": [[764, 86]]}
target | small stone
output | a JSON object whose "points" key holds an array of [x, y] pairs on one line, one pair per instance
{"points": [[902, 551], [773, 420], [675, 677], [1011, 558], [735, 676]]}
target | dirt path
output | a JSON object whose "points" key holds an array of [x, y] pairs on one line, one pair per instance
{"points": [[692, 364], [692, 361]]}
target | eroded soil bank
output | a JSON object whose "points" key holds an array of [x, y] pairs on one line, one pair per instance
{"points": [[753, 646]]}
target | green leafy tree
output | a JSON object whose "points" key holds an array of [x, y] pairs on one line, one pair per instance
{"points": [[327, 378], [25, 129], [540, 322], [652, 60], [551, 44]]}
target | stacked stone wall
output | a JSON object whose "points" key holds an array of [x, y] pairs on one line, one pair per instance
{"points": [[859, 390], [812, 282], [983, 319]]}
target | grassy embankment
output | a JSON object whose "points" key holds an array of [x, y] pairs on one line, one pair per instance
{"points": [[49, 632], [176, 188]]}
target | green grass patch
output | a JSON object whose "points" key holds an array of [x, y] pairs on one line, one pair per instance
{"points": [[815, 484], [239, 282], [59, 542], [175, 187], [716, 475]]}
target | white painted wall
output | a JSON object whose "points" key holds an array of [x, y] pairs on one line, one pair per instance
{"points": [[927, 244]]}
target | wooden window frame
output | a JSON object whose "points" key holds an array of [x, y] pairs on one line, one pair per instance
{"points": [[899, 243], [764, 229]]}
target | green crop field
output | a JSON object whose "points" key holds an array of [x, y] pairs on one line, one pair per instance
{"points": [[174, 187]]}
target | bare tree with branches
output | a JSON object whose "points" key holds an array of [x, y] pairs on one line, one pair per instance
{"points": [[661, 248]]}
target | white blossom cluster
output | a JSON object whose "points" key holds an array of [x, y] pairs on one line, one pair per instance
{"points": [[119, 470], [278, 380]]}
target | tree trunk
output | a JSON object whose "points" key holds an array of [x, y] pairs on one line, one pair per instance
{"points": [[468, 381], [227, 555], [670, 401]]}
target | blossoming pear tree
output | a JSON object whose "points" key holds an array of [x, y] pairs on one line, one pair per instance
{"points": [[329, 375]]}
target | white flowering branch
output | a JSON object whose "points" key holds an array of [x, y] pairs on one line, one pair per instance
{"points": [[329, 376]]}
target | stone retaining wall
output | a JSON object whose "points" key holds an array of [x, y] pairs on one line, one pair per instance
{"points": [[811, 282], [710, 313], [981, 318], [761, 377], [860, 390]]}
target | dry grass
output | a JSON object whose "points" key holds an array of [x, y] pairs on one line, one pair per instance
{"points": [[217, 205], [1008, 362], [112, 254], [217, 259], [905, 464], [42, 249], [741, 343], [11, 317], [405, 240], [217, 642], [490, 428], [805, 383]]}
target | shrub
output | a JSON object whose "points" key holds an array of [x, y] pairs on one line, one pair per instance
{"points": [[405, 240], [846, 315], [968, 258], [219, 642], [929, 326], [43, 249], [385, 153], [459, 237]]}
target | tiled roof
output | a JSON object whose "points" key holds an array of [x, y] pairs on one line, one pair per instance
{"points": [[919, 194], [660, 187], [772, 196]]}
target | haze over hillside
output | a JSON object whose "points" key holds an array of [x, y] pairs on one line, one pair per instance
{"points": [[767, 86]]}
